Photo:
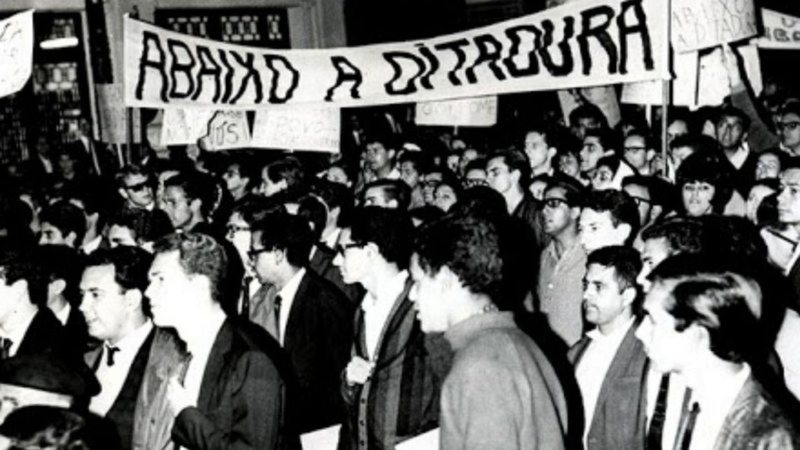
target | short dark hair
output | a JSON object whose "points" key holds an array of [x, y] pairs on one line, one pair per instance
{"points": [[699, 143], [66, 217], [642, 133], [195, 186], [313, 210], [662, 192], [131, 170], [289, 234], [683, 234], [514, 160], [574, 191], [130, 265], [588, 111], [391, 230], [198, 254], [246, 168], [146, 226], [61, 263], [469, 245], [17, 264], [40, 426], [334, 195], [791, 107], [732, 111], [393, 190], [619, 205], [625, 261], [288, 169], [254, 208], [606, 137]]}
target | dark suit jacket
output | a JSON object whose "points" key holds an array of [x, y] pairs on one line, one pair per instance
{"points": [[76, 329], [45, 333], [756, 421], [620, 415], [122, 411], [318, 335], [242, 397], [322, 264]]}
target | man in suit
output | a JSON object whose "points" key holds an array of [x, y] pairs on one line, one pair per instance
{"points": [[231, 392], [610, 364], [392, 383], [27, 325], [307, 314], [112, 290], [703, 325]]}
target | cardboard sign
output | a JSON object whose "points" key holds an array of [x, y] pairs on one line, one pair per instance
{"points": [[185, 126], [323, 439], [298, 128], [582, 43], [684, 85], [604, 97], [699, 24], [781, 31], [469, 112], [16, 52], [227, 130]]}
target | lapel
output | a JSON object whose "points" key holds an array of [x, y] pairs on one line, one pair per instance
{"points": [[739, 412], [92, 357], [216, 364], [576, 352], [39, 332], [298, 313], [620, 365], [396, 318]]}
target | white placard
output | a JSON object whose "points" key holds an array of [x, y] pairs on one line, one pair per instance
{"points": [[781, 31], [324, 439], [185, 126], [425, 441], [298, 128], [16, 52], [467, 112], [227, 130], [699, 24], [684, 85]]}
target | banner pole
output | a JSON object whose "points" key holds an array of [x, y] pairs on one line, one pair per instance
{"points": [[666, 86]]}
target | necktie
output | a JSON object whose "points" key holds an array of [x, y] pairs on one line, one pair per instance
{"points": [[245, 309], [277, 317], [110, 352], [5, 348], [659, 414], [688, 419]]}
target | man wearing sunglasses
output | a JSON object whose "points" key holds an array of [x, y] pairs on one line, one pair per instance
{"points": [[563, 261], [391, 384], [136, 188]]}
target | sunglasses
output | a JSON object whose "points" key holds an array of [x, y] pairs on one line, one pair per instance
{"points": [[254, 252], [341, 249], [138, 186], [555, 202]]}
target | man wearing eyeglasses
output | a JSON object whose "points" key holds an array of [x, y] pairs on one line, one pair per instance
{"points": [[136, 188], [563, 261], [392, 383]]}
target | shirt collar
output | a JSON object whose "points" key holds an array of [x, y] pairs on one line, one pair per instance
{"points": [[202, 346], [133, 340], [462, 333], [721, 394], [17, 334], [387, 292], [289, 290], [63, 315]]}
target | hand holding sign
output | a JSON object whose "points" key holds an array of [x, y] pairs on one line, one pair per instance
{"points": [[227, 130]]}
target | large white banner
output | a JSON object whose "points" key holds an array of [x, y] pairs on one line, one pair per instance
{"points": [[583, 43], [699, 24], [781, 31], [16, 52]]}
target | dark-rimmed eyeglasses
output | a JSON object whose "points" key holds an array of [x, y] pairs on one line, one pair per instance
{"points": [[342, 248], [254, 252], [791, 125], [138, 186], [233, 229]]}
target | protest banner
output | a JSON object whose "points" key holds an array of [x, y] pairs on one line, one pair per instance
{"points": [[467, 112], [781, 31], [684, 85], [185, 126], [583, 43], [699, 24], [298, 128], [16, 52], [227, 130]]}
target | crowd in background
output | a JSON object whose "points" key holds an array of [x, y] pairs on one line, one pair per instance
{"points": [[547, 285]]}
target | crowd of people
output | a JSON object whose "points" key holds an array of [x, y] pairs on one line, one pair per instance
{"points": [[565, 287]]}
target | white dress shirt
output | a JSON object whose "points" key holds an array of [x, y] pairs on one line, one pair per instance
{"points": [[593, 367], [715, 401], [740, 156], [112, 378], [377, 308], [63, 315], [287, 294], [200, 351], [17, 334], [672, 415]]}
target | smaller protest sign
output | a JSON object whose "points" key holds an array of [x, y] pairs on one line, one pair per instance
{"points": [[227, 130], [699, 24], [684, 85], [467, 112], [298, 128], [781, 31], [16, 52], [185, 126]]}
